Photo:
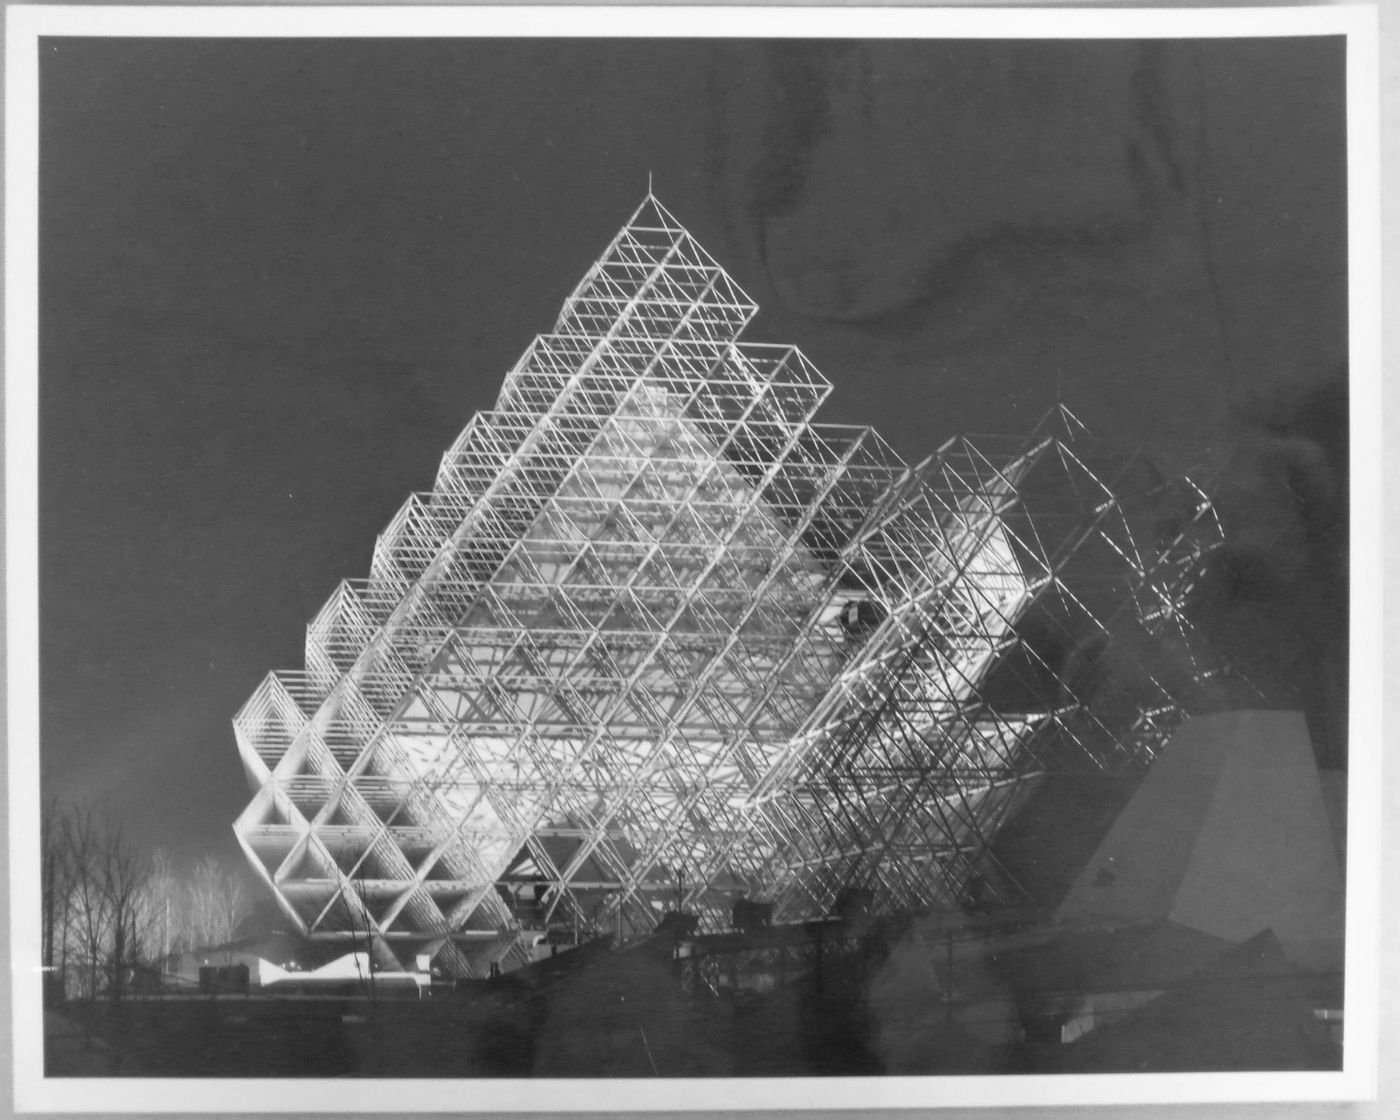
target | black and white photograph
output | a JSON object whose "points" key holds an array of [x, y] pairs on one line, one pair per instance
{"points": [[551, 551]]}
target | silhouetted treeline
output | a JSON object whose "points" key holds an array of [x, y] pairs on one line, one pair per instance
{"points": [[110, 911]]}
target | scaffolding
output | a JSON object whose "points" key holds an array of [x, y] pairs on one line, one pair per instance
{"points": [[656, 639]]}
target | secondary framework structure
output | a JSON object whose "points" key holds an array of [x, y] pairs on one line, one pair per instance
{"points": [[657, 639]]}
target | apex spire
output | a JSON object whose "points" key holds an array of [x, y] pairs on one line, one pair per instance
{"points": [[1060, 423]]}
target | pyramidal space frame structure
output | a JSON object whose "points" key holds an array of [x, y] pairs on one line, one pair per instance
{"points": [[657, 639]]}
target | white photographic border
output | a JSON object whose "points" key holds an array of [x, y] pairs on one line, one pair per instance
{"points": [[34, 1092]]}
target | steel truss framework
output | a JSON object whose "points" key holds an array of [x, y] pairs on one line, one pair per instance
{"points": [[655, 637]]}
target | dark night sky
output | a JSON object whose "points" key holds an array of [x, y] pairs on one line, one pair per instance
{"points": [[278, 277]]}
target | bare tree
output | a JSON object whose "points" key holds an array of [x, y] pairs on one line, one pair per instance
{"points": [[87, 902], [93, 881], [108, 909], [218, 902], [163, 909], [54, 879], [123, 879], [81, 921], [237, 904]]}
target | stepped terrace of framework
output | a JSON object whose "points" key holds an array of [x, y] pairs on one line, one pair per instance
{"points": [[657, 639]]}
